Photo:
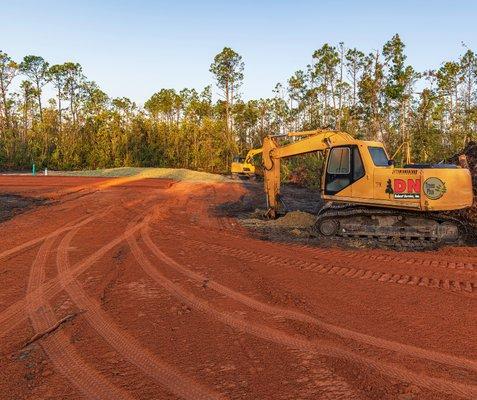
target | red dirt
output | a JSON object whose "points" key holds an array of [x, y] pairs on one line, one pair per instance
{"points": [[139, 290]]}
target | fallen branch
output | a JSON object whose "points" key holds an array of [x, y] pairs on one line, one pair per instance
{"points": [[53, 328]]}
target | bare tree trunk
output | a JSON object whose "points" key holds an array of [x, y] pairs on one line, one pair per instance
{"points": [[25, 120], [325, 111], [59, 110], [340, 95], [40, 108], [231, 108], [354, 86], [227, 105], [5, 104]]}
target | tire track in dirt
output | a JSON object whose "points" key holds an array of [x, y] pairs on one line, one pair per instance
{"points": [[331, 254], [15, 313], [31, 243], [297, 342], [57, 346], [399, 258], [122, 342], [460, 287], [257, 305], [337, 389], [198, 205]]}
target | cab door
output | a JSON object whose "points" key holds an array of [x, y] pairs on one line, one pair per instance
{"points": [[344, 168]]}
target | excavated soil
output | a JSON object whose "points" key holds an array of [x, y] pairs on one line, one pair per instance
{"points": [[296, 225], [141, 289]]}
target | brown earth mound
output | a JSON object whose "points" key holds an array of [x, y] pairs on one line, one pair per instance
{"points": [[295, 219]]}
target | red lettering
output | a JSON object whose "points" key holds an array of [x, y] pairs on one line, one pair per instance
{"points": [[414, 186], [399, 186]]}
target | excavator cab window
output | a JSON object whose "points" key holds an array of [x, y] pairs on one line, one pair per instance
{"points": [[339, 162], [380, 159], [344, 168]]}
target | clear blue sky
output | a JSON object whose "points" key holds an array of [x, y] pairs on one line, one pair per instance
{"points": [[134, 48]]}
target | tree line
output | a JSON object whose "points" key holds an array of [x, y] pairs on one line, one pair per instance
{"points": [[372, 96]]}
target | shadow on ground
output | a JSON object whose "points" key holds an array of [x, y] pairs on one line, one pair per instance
{"points": [[13, 204]]}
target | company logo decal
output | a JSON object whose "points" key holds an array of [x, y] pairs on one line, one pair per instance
{"points": [[404, 188], [434, 188]]}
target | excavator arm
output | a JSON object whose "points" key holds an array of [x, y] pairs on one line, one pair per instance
{"points": [[318, 140], [252, 153]]}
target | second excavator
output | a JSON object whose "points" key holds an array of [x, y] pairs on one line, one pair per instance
{"points": [[245, 166], [366, 195]]}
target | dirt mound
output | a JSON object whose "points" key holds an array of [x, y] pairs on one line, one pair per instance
{"points": [[296, 219], [178, 174], [298, 223]]}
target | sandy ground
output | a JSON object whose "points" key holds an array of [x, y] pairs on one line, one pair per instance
{"points": [[140, 289]]}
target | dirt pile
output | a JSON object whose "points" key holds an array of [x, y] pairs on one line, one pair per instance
{"points": [[295, 219], [178, 174], [297, 223]]}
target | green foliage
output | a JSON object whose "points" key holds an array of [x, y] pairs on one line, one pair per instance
{"points": [[228, 69], [371, 96]]}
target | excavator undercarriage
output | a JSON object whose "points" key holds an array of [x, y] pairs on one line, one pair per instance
{"points": [[350, 220]]}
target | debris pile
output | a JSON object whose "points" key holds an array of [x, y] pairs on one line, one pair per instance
{"points": [[298, 177], [470, 151]]}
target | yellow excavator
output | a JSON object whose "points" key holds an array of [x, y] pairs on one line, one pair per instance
{"points": [[244, 166], [366, 195]]}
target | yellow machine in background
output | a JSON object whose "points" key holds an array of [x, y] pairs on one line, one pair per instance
{"points": [[367, 195], [244, 166]]}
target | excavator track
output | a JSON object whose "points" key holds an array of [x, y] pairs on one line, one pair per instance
{"points": [[350, 220]]}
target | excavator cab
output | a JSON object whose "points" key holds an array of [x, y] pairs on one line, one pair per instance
{"points": [[238, 160]]}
